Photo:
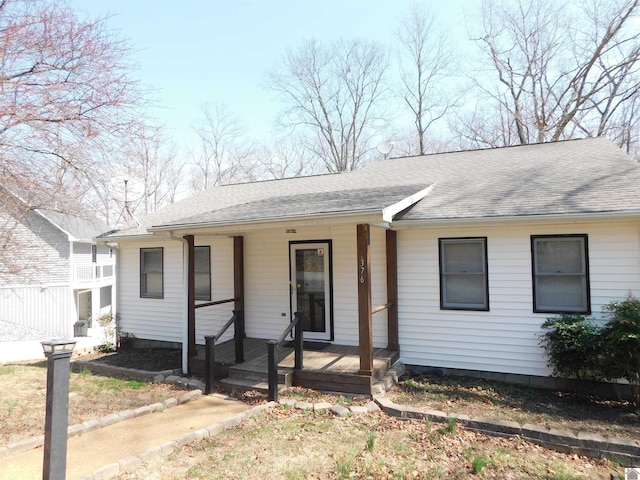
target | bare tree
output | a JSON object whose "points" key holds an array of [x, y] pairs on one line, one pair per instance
{"points": [[426, 72], [66, 93], [334, 93], [65, 89], [225, 155], [287, 157], [151, 163], [563, 69]]}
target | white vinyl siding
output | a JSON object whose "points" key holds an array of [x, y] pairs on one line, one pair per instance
{"points": [[560, 274], [151, 318], [463, 274], [506, 338], [45, 309]]}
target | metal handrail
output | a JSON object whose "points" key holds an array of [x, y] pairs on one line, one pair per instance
{"points": [[210, 340], [272, 364], [217, 302]]}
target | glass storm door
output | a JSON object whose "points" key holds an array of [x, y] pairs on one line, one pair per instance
{"points": [[310, 288]]}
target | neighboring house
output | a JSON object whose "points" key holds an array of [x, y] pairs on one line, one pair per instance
{"points": [[53, 273], [469, 251]]}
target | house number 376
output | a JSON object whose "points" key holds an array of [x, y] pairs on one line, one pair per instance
{"points": [[362, 265]]}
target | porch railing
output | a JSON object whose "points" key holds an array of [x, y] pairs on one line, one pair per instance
{"points": [[89, 272], [272, 345], [210, 340], [382, 307]]}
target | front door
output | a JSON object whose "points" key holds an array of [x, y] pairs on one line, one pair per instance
{"points": [[311, 287]]}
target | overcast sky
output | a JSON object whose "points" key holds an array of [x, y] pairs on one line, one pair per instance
{"points": [[196, 51]]}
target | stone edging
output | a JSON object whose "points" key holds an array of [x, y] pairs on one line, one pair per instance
{"points": [[622, 450], [93, 424], [130, 463]]}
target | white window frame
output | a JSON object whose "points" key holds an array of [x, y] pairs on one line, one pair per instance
{"points": [[144, 293], [203, 274], [585, 308], [445, 304]]}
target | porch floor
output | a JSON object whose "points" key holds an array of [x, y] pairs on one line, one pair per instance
{"points": [[326, 366]]}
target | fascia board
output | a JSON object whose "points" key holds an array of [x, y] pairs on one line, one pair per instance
{"points": [[389, 212]]}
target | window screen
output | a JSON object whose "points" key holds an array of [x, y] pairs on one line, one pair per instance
{"points": [[463, 274], [560, 274], [203, 273], [151, 281]]}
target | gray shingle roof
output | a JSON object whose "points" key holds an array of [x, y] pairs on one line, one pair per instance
{"points": [[305, 204], [79, 227], [570, 177]]}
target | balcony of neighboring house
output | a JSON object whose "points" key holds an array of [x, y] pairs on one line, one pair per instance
{"points": [[93, 274]]}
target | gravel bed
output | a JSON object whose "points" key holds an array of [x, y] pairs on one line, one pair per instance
{"points": [[12, 332]]}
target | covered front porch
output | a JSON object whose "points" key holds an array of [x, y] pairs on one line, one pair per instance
{"points": [[351, 358]]}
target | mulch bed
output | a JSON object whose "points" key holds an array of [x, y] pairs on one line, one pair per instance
{"points": [[152, 359]]}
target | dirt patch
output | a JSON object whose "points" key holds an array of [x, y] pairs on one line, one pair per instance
{"points": [[284, 443], [577, 412]]}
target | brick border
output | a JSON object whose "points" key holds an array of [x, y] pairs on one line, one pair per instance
{"points": [[622, 450], [93, 424]]}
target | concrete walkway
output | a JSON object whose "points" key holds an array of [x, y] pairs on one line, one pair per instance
{"points": [[92, 455]]}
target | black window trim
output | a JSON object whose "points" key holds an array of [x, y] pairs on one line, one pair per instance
{"points": [[202, 297], [142, 293], [483, 240], [585, 238]]}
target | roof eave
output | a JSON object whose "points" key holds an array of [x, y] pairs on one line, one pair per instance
{"points": [[361, 216], [558, 218]]}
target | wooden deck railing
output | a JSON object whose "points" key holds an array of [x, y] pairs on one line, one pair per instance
{"points": [[210, 340], [272, 345], [381, 308]]}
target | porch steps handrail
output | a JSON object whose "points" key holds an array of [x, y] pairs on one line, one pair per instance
{"points": [[216, 302], [381, 308], [210, 340], [272, 345]]}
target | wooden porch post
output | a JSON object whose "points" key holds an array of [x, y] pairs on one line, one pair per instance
{"points": [[365, 324], [238, 272], [238, 280], [392, 291], [191, 295]]}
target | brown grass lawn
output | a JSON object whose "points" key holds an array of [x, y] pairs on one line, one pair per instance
{"points": [[284, 443], [23, 392]]}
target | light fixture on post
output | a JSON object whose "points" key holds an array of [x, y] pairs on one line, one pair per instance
{"points": [[58, 354]]}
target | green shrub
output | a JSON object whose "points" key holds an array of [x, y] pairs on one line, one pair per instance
{"points": [[572, 343], [621, 343]]}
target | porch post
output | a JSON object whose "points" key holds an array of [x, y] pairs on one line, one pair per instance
{"points": [[365, 324], [392, 291], [191, 295], [238, 294]]}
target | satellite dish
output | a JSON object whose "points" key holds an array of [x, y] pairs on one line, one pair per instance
{"points": [[385, 148]]}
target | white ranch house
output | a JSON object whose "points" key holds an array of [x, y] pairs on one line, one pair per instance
{"points": [[449, 261]]}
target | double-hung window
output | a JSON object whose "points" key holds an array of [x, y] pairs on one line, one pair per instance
{"points": [[464, 281], [203, 273], [151, 272], [560, 269]]}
